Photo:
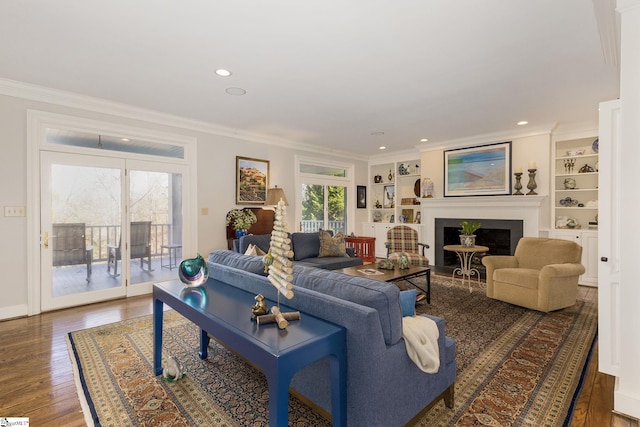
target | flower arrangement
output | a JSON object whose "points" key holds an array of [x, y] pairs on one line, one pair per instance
{"points": [[241, 219]]}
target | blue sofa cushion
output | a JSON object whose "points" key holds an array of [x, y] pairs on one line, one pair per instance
{"points": [[305, 245], [263, 241], [381, 296], [252, 264], [408, 302]]}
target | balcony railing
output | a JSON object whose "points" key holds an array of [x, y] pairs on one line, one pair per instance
{"points": [[102, 235], [311, 226]]}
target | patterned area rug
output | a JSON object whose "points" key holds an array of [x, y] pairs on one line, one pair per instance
{"points": [[515, 367]]}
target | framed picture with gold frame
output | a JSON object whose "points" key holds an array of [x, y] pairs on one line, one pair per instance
{"points": [[252, 181]]}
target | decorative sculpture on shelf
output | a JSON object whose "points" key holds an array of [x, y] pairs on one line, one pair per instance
{"points": [[193, 272], [280, 268]]}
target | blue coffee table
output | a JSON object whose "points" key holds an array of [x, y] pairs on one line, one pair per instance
{"points": [[224, 312]]}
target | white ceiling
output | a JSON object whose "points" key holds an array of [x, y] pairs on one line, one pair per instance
{"points": [[325, 73]]}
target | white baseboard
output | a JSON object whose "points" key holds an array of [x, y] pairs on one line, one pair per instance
{"points": [[627, 404], [13, 311]]}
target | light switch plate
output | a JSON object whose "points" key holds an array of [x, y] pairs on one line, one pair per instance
{"points": [[14, 211]]}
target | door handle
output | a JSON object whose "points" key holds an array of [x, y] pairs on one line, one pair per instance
{"points": [[604, 259], [45, 240]]}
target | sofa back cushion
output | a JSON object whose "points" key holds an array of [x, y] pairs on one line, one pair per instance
{"points": [[305, 245], [536, 252], [381, 296], [263, 241], [252, 264]]}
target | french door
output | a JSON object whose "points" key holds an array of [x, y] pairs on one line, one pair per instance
{"points": [[323, 206], [109, 227]]}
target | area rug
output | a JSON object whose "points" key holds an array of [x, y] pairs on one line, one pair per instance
{"points": [[515, 367]]}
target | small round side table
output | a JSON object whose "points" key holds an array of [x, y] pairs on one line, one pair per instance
{"points": [[465, 255]]}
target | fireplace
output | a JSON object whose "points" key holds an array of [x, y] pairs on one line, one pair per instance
{"points": [[499, 235], [529, 211]]}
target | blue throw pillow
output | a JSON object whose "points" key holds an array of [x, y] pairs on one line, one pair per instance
{"points": [[408, 302]]}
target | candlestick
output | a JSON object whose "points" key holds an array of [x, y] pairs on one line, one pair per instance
{"points": [[532, 165], [518, 185], [532, 183], [518, 170]]}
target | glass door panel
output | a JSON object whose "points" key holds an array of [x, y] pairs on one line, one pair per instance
{"points": [[156, 219], [81, 201], [323, 206]]}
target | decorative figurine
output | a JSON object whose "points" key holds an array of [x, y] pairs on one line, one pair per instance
{"points": [[427, 188], [260, 307], [386, 264], [404, 262], [173, 371]]}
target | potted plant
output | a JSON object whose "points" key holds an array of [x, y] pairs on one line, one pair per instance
{"points": [[467, 230], [241, 220]]}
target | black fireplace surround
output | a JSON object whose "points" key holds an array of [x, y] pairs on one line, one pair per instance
{"points": [[500, 235]]}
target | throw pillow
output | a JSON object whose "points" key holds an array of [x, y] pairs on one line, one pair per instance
{"points": [[331, 245], [253, 250], [408, 302]]}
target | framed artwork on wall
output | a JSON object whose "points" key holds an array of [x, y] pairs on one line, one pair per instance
{"points": [[361, 195], [478, 171], [252, 181]]}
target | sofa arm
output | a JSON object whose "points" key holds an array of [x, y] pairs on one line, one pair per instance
{"points": [[558, 286], [495, 262], [562, 270]]}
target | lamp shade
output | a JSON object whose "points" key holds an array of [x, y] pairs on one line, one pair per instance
{"points": [[274, 195]]}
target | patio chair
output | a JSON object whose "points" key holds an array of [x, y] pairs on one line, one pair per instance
{"points": [[69, 246], [140, 244], [402, 239]]}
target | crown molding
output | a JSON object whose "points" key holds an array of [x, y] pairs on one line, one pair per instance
{"points": [[98, 105], [488, 138]]}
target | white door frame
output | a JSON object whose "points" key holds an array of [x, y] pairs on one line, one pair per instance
{"points": [[37, 124]]}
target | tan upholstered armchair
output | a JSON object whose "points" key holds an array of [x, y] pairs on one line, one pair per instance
{"points": [[541, 275]]}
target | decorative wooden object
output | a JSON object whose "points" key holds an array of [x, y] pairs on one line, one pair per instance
{"points": [[281, 269]]}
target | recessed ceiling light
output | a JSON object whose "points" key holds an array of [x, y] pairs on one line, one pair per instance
{"points": [[223, 73], [522, 123], [424, 140], [238, 91], [377, 133], [383, 147], [125, 139]]}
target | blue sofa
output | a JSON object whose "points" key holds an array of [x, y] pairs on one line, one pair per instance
{"points": [[384, 387], [306, 248]]}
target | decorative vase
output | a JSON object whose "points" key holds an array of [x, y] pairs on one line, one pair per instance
{"points": [[241, 232], [194, 271], [467, 240]]}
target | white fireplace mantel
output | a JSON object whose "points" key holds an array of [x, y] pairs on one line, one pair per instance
{"points": [[529, 209]]}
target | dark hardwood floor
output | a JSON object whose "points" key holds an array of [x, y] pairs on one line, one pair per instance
{"points": [[37, 375]]}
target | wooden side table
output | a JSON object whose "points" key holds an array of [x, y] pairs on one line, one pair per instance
{"points": [[465, 255], [364, 247]]}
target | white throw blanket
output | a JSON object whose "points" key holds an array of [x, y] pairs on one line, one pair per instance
{"points": [[421, 337]]}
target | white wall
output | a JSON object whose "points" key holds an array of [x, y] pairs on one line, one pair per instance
{"points": [[524, 149], [216, 185]]}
